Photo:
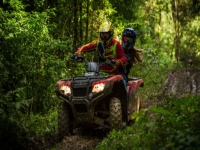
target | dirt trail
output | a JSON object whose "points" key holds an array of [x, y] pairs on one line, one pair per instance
{"points": [[83, 140]]}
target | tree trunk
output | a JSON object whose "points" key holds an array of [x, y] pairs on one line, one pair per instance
{"points": [[81, 24], [75, 25], [175, 14], [87, 22], [182, 83]]}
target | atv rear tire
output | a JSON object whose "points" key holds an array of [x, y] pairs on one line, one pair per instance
{"points": [[63, 121], [115, 113]]}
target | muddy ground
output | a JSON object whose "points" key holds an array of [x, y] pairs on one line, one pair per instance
{"points": [[83, 141]]}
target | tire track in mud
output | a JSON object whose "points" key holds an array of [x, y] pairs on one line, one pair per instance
{"points": [[83, 139]]}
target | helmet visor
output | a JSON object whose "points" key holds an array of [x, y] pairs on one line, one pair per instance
{"points": [[127, 42], [104, 35], [127, 39]]}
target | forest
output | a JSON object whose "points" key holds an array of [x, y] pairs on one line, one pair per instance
{"points": [[38, 37]]}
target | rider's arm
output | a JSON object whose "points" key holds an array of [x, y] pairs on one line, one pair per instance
{"points": [[88, 47]]}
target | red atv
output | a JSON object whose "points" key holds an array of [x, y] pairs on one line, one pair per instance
{"points": [[96, 100]]}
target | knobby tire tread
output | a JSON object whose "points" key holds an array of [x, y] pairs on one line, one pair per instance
{"points": [[63, 121], [115, 113]]}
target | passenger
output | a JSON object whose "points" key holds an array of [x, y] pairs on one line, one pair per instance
{"points": [[133, 54]]}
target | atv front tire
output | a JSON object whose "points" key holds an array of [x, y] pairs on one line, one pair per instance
{"points": [[63, 121], [115, 113]]}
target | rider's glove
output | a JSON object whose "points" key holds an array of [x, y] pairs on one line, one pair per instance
{"points": [[78, 58], [112, 62], [74, 57]]}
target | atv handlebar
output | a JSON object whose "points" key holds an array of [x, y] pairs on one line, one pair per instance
{"points": [[78, 58], [107, 63]]}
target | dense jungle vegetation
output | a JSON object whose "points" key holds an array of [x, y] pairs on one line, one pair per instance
{"points": [[38, 37]]}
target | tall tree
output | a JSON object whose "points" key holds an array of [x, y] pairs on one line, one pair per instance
{"points": [[177, 38]]}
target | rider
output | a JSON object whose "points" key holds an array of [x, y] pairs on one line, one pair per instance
{"points": [[133, 54], [108, 49]]}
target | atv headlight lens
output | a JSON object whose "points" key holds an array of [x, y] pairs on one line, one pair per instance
{"points": [[65, 89], [98, 87]]}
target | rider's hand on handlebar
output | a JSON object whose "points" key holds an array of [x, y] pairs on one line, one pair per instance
{"points": [[112, 61], [108, 63], [75, 56]]}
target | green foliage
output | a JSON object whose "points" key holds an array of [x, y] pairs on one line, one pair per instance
{"points": [[172, 126], [15, 4], [30, 62], [37, 39], [31, 57], [39, 126], [190, 44], [153, 70], [21, 131]]}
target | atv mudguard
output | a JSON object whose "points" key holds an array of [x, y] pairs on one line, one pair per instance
{"points": [[133, 101]]}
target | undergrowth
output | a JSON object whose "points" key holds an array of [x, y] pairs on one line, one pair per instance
{"points": [[29, 131], [174, 126]]}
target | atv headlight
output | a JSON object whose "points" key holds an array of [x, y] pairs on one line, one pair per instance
{"points": [[98, 87], [65, 89]]}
